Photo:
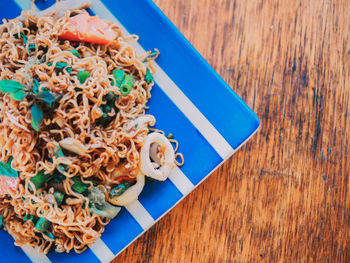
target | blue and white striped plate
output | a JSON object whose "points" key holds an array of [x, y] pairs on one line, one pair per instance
{"points": [[209, 128]]}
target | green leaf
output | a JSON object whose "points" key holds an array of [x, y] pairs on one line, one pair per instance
{"points": [[61, 65], [69, 70], [37, 116], [31, 48], [75, 53], [36, 85], [6, 170], [83, 76], [18, 95], [46, 96], [148, 77], [1, 223], [10, 86], [50, 64], [119, 76]]}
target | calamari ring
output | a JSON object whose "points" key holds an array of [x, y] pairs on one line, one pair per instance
{"points": [[147, 167]]}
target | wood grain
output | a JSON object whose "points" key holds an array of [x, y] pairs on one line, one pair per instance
{"points": [[285, 196]]}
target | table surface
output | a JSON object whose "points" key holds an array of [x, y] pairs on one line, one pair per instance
{"points": [[285, 196]]}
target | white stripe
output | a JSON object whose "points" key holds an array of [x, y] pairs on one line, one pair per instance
{"points": [[24, 4], [179, 179], [101, 251], [222, 147], [141, 215], [34, 255]]}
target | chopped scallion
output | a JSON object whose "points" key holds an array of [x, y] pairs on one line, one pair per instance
{"points": [[83, 76], [43, 224]]}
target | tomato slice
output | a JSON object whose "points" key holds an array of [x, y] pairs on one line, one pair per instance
{"points": [[84, 27], [8, 184]]}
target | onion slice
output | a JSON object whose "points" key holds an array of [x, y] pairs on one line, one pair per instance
{"points": [[131, 194]]}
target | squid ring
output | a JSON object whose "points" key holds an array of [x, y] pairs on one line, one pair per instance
{"points": [[147, 167]]}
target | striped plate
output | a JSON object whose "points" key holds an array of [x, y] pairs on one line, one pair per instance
{"points": [[209, 128]]}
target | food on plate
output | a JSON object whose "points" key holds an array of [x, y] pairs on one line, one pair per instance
{"points": [[75, 141]]}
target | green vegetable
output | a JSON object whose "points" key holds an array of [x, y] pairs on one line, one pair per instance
{"points": [[18, 95], [120, 189], [46, 96], [61, 65], [62, 168], [31, 48], [6, 170], [50, 64], [107, 108], [170, 136], [37, 116], [1, 223], [75, 53], [83, 76], [36, 85], [129, 80], [43, 224], [10, 86], [119, 76], [23, 36], [58, 197], [31, 218], [69, 70], [125, 89], [148, 77], [40, 179], [58, 177], [110, 98], [78, 186]]}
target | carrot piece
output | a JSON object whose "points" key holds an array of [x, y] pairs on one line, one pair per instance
{"points": [[84, 27]]}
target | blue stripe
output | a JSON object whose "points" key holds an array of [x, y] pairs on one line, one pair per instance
{"points": [[186, 67], [72, 257], [9, 251], [171, 120], [43, 4], [121, 231], [158, 197], [9, 9]]}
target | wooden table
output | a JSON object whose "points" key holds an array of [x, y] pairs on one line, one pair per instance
{"points": [[285, 196]]}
